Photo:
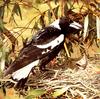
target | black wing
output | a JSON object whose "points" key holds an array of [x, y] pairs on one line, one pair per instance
{"points": [[30, 53], [46, 35]]}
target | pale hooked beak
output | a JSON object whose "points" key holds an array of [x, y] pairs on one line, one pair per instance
{"points": [[75, 25]]}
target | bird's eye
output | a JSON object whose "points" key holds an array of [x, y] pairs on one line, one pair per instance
{"points": [[57, 41]]}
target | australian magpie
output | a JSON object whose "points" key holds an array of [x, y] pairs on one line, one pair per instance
{"points": [[43, 47]]}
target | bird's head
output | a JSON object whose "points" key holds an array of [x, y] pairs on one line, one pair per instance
{"points": [[69, 26]]}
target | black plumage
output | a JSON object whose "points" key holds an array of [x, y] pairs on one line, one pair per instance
{"points": [[44, 46]]}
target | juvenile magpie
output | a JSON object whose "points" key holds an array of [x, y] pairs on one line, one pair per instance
{"points": [[44, 47]]}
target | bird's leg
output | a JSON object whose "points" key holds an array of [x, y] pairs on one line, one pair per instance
{"points": [[43, 66], [21, 84], [43, 63]]}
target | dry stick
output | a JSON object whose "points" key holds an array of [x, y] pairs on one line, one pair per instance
{"points": [[92, 89], [10, 36], [62, 7], [56, 73], [66, 49], [5, 80], [81, 94]]}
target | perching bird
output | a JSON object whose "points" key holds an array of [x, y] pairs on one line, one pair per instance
{"points": [[44, 47]]}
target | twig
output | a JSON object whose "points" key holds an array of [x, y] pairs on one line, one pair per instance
{"points": [[5, 80], [66, 49], [62, 2], [56, 73], [92, 89], [80, 93]]}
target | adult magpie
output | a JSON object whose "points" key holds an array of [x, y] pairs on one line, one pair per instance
{"points": [[43, 47]]}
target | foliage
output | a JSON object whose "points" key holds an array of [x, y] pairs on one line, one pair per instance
{"points": [[35, 93], [52, 10]]}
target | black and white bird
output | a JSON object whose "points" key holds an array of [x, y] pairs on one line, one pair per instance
{"points": [[44, 47]]}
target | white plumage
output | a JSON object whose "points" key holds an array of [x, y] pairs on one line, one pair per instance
{"points": [[56, 24], [24, 72], [53, 43]]}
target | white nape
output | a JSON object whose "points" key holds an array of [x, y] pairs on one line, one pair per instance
{"points": [[53, 43], [75, 25], [56, 24], [24, 72]]}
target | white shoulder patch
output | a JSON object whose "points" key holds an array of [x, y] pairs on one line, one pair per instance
{"points": [[56, 24], [53, 43], [24, 72]]}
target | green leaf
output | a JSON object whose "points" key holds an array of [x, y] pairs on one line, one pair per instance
{"points": [[2, 12], [35, 93], [1, 25], [38, 1], [49, 16], [98, 67], [65, 9], [59, 92], [30, 97], [56, 11], [6, 1], [36, 26], [42, 22], [55, 1], [17, 10]]}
